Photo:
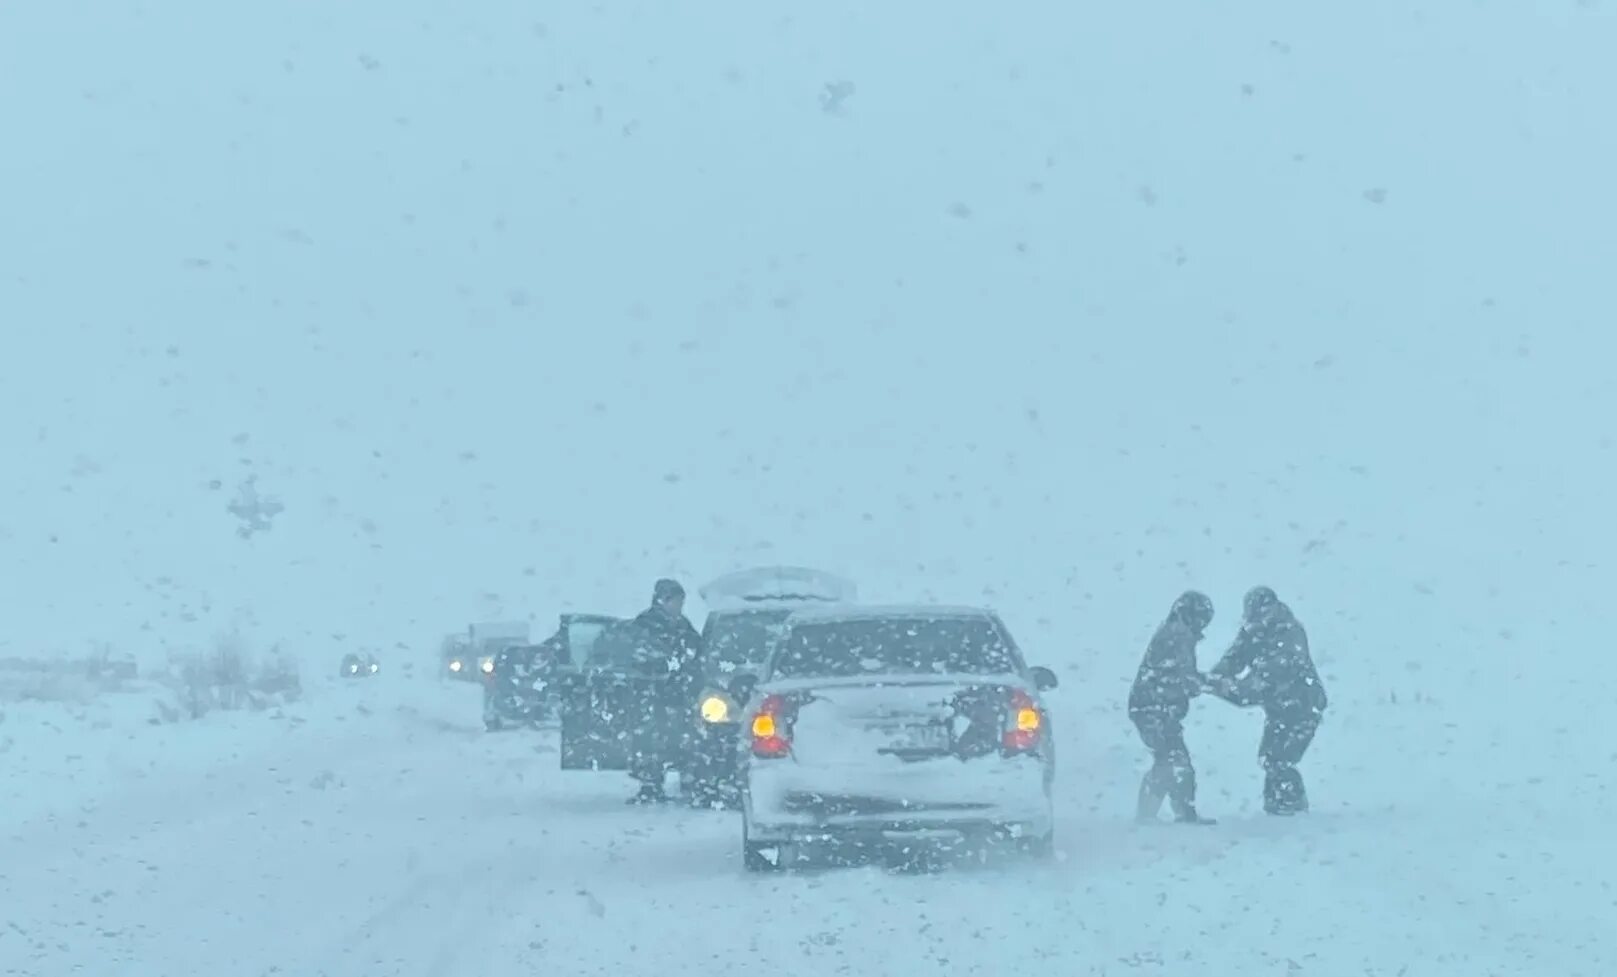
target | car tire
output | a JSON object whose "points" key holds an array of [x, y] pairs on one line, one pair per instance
{"points": [[755, 855], [493, 724], [1042, 848]]}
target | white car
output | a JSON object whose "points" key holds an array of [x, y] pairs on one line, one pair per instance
{"points": [[896, 731]]}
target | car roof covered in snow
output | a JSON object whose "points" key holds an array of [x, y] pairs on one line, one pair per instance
{"points": [[776, 587], [780, 605], [889, 612]]}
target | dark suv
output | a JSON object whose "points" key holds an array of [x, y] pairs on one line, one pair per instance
{"points": [[736, 645], [746, 611]]}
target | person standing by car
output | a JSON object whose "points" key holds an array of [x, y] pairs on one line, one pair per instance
{"points": [[668, 654], [1158, 703], [1269, 665]]}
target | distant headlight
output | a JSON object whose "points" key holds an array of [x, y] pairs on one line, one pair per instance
{"points": [[717, 707], [488, 666], [374, 667], [455, 665]]}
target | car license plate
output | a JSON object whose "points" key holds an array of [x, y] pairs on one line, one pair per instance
{"points": [[930, 737]]}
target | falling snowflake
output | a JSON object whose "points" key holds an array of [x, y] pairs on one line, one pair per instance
{"points": [[255, 511]]}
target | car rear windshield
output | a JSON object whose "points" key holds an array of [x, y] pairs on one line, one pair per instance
{"points": [[743, 637], [896, 646]]}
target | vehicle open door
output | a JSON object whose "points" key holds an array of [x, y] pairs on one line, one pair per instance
{"points": [[603, 697], [577, 636]]}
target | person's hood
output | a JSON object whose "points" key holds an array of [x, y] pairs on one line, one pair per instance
{"points": [[1263, 606], [1194, 610]]}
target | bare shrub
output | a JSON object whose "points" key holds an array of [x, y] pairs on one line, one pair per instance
{"points": [[229, 677]]}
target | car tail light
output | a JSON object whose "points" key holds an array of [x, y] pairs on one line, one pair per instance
{"points": [[1024, 725], [772, 728]]}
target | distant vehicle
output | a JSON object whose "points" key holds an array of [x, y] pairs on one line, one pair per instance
{"points": [[470, 656], [358, 666], [607, 696], [899, 731], [523, 684], [513, 691]]}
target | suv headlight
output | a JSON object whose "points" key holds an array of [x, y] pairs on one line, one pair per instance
{"points": [[716, 707]]}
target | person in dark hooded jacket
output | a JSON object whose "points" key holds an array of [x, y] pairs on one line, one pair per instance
{"points": [[1160, 700], [668, 653], [1269, 665]]}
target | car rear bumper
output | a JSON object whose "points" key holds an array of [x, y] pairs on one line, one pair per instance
{"points": [[785, 802]]}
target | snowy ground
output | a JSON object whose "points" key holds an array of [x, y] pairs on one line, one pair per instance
{"points": [[374, 829], [508, 309]]}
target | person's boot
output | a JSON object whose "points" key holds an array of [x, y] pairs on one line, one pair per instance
{"points": [[1184, 812], [1296, 793], [1283, 792], [1152, 793], [1182, 794]]}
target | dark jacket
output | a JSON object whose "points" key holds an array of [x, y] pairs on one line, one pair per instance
{"points": [[1167, 678], [1269, 664], [670, 648]]}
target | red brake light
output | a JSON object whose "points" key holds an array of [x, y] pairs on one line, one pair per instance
{"points": [[1024, 724], [771, 733]]}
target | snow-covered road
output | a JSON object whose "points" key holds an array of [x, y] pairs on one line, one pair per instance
{"points": [[369, 832]]}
